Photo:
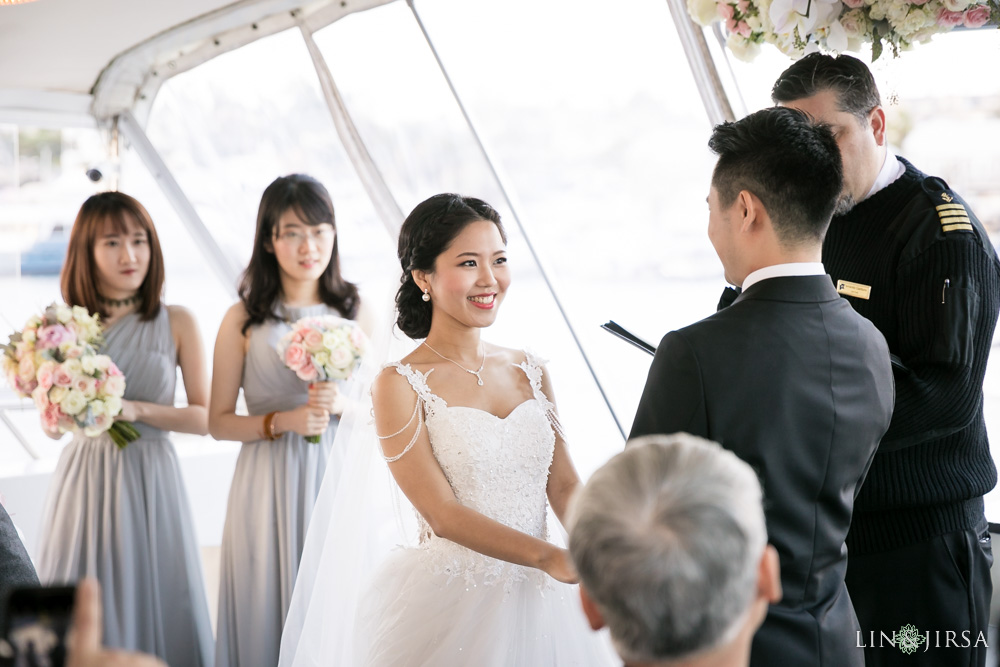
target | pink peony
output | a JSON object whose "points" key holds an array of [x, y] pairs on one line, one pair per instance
{"points": [[62, 377], [54, 336], [308, 372], [726, 11], [949, 19], [976, 17], [296, 356], [313, 340]]}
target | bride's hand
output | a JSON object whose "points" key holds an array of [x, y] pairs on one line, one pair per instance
{"points": [[557, 564]]}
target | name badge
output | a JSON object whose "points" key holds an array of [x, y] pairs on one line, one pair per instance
{"points": [[858, 290]]}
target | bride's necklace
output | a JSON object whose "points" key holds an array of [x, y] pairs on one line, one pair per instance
{"points": [[467, 370], [120, 303]]}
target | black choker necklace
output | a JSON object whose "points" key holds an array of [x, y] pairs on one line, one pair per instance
{"points": [[120, 303]]}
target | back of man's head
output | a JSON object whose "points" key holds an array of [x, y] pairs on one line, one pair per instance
{"points": [[847, 76], [668, 537], [788, 162]]}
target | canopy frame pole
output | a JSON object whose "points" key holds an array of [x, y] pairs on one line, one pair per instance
{"points": [[386, 207], [225, 266], [508, 198], [706, 74]]}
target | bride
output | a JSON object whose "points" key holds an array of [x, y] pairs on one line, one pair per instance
{"points": [[472, 439]]}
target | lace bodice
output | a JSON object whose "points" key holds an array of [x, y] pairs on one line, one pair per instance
{"points": [[499, 467]]}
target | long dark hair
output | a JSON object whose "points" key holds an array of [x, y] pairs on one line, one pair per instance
{"points": [[260, 287], [426, 233], [79, 273]]}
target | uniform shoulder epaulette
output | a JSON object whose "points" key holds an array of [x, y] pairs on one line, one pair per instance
{"points": [[951, 211]]}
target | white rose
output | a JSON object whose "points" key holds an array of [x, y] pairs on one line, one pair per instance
{"points": [[29, 335], [89, 364], [955, 5], [73, 367], [64, 314], [57, 394], [114, 385], [73, 402], [704, 12], [741, 48], [897, 12], [112, 406], [98, 407]]}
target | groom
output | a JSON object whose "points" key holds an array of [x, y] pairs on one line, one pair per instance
{"points": [[790, 378]]}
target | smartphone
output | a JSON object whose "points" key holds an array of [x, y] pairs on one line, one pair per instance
{"points": [[35, 626]]}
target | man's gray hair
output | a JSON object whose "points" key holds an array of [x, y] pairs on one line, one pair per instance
{"points": [[667, 537]]}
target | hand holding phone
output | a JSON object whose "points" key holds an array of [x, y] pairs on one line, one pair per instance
{"points": [[60, 626]]}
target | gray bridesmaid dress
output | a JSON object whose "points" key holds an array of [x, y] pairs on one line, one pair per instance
{"points": [[270, 503], [123, 516]]}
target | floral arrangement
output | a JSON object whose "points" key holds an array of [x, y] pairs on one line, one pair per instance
{"points": [[798, 26], [322, 349], [54, 361]]}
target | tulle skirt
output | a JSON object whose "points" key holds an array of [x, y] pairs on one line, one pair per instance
{"points": [[414, 615]]}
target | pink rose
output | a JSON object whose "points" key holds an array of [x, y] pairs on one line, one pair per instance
{"points": [[726, 11], [74, 352], [50, 417], [41, 398], [976, 17], [113, 370], [313, 340], [44, 375], [296, 356], [743, 6], [743, 29], [854, 4], [949, 19], [62, 377], [308, 372], [26, 367]]}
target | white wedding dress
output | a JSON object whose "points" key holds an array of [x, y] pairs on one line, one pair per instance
{"points": [[438, 603]]}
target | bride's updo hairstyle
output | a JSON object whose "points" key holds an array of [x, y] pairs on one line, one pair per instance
{"points": [[426, 233]]}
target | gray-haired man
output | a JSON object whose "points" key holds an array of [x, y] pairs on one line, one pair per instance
{"points": [[671, 546]]}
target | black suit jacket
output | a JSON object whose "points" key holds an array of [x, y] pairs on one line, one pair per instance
{"points": [[16, 569], [798, 385]]}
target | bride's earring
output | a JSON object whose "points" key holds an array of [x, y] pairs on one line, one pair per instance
{"points": [[426, 296]]}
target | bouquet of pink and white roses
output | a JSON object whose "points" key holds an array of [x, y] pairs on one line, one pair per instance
{"points": [[322, 349], [54, 361]]}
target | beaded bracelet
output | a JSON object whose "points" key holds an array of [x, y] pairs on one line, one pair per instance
{"points": [[269, 433]]}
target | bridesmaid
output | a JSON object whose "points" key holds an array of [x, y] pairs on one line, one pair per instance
{"points": [[294, 272], [122, 516]]}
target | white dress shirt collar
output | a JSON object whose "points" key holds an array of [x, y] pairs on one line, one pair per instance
{"points": [[784, 270], [892, 169]]}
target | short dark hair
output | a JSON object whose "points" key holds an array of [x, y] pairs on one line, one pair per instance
{"points": [[79, 272], [850, 78], [790, 163], [426, 233], [260, 286]]}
